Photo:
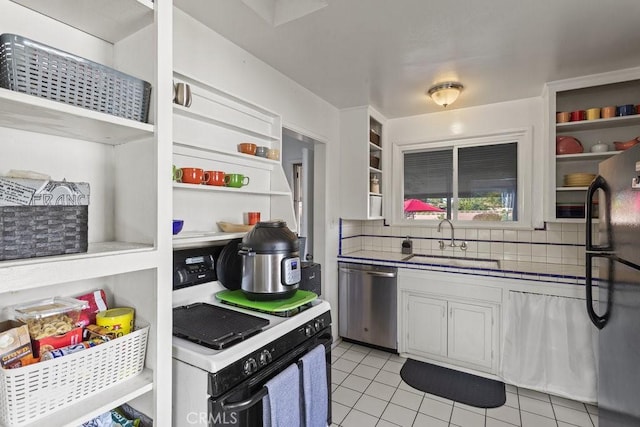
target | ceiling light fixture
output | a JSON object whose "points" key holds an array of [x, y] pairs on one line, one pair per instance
{"points": [[445, 93]]}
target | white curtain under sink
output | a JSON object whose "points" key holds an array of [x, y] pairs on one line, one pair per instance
{"points": [[550, 345]]}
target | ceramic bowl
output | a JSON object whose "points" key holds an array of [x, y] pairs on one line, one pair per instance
{"points": [[247, 148], [600, 148], [568, 145], [262, 151], [177, 226], [627, 144]]}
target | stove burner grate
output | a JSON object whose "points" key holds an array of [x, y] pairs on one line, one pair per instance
{"points": [[214, 327]]}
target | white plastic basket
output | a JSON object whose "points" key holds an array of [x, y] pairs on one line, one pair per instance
{"points": [[35, 391]]}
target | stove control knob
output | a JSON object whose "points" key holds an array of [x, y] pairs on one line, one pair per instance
{"points": [[264, 358], [308, 330], [249, 366], [317, 325]]}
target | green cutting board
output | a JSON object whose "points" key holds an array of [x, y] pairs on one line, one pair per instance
{"points": [[238, 298]]}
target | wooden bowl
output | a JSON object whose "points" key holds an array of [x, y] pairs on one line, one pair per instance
{"points": [[229, 227]]}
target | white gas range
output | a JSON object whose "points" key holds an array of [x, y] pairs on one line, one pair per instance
{"points": [[224, 387]]}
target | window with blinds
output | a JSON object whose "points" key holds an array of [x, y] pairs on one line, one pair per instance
{"points": [[465, 183]]}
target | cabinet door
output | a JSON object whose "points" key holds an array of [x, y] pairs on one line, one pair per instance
{"points": [[471, 333], [427, 326]]}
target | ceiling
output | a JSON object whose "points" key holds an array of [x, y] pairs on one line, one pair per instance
{"points": [[386, 53]]}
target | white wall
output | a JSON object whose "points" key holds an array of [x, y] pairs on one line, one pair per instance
{"points": [[214, 59], [482, 120]]}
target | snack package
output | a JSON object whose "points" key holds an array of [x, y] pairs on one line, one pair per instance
{"points": [[74, 336], [102, 420], [15, 344], [97, 301], [120, 420]]}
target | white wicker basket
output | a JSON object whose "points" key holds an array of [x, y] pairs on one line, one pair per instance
{"points": [[37, 390]]}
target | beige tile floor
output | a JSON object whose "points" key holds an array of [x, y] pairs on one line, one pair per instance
{"points": [[367, 391]]}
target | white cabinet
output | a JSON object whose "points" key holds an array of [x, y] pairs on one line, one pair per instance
{"points": [[448, 319], [565, 203], [470, 333], [431, 339], [206, 136], [451, 331], [362, 142], [126, 164]]}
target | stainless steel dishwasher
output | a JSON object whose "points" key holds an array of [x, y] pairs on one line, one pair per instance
{"points": [[367, 304]]}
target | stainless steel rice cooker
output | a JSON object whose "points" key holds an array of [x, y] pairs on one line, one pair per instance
{"points": [[270, 262]]}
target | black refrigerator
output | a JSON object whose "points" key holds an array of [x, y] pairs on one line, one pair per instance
{"points": [[616, 314]]}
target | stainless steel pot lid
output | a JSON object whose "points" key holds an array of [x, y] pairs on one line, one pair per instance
{"points": [[270, 237]]}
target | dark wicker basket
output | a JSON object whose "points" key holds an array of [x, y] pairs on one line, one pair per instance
{"points": [[31, 67], [35, 231]]}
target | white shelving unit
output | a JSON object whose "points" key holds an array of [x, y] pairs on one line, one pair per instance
{"points": [[124, 161], [362, 136], [596, 91], [206, 136], [111, 21]]}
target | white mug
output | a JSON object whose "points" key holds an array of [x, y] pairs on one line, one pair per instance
{"points": [[182, 94]]}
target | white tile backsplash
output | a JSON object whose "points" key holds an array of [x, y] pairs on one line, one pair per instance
{"points": [[558, 244]]}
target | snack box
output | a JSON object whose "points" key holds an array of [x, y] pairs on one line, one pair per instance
{"points": [[14, 343], [51, 316], [52, 342]]}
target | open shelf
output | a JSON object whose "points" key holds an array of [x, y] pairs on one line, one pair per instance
{"points": [[101, 259], [572, 188], [612, 122], [194, 150], [193, 237], [34, 114], [196, 187], [374, 147], [111, 20], [585, 156], [108, 399]]}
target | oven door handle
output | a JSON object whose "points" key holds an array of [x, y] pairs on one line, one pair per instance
{"points": [[243, 405]]}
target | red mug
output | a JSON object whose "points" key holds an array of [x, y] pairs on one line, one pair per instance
{"points": [[578, 115], [215, 178], [253, 218], [194, 176]]}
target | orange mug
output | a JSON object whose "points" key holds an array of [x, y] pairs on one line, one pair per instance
{"points": [[194, 176], [563, 117], [215, 178], [608, 112]]}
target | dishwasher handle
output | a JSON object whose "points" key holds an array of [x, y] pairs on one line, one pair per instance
{"points": [[374, 273]]}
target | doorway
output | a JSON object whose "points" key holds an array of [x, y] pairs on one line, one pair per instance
{"points": [[298, 164]]}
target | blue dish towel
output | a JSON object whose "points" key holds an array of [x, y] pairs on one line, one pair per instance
{"points": [[314, 386], [281, 406]]}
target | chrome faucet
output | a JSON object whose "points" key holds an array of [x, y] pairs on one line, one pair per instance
{"points": [[453, 243]]}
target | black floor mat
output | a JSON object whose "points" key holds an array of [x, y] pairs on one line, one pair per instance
{"points": [[455, 385]]}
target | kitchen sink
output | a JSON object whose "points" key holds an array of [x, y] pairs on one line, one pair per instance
{"points": [[454, 261]]}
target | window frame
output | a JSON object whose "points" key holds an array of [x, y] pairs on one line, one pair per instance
{"points": [[524, 174]]}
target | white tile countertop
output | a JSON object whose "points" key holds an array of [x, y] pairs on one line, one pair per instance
{"points": [[537, 271]]}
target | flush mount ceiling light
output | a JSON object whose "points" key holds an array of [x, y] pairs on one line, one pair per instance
{"points": [[445, 93]]}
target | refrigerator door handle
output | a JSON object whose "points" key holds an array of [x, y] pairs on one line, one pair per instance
{"points": [[598, 183], [598, 321]]}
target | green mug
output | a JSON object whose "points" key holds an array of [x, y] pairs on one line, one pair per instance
{"points": [[236, 180], [177, 173]]}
